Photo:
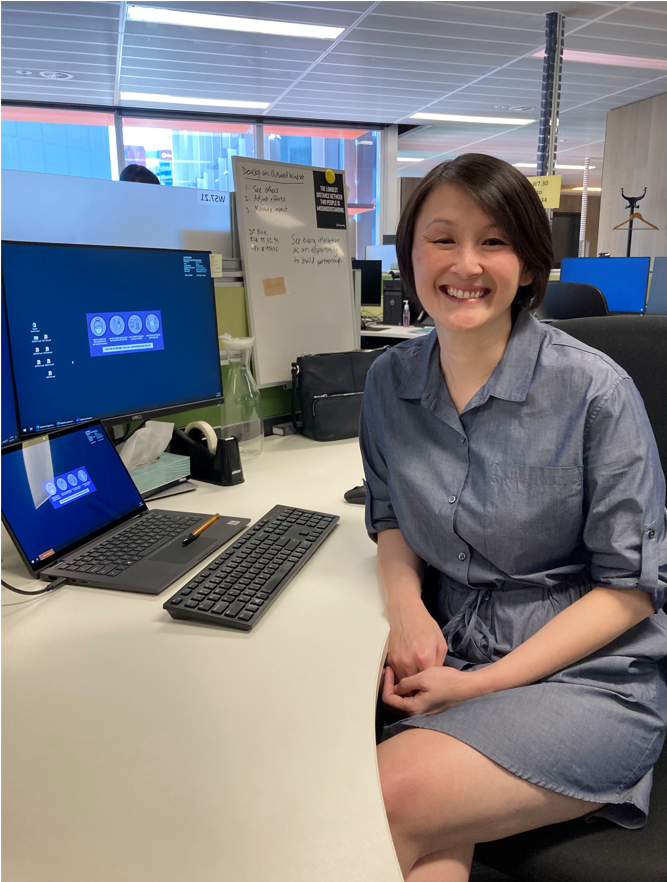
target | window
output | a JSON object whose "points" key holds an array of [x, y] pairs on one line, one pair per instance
{"points": [[59, 142], [354, 150], [188, 154]]}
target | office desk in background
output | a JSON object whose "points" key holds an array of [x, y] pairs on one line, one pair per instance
{"points": [[141, 749], [396, 332]]}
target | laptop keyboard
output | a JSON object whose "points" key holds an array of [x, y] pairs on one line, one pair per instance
{"points": [[130, 545], [236, 588]]}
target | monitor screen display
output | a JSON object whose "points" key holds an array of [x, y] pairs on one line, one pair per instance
{"points": [[109, 333], [385, 253], [62, 489], [622, 280], [9, 425], [371, 281]]}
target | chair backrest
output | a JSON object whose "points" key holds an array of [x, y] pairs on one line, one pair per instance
{"points": [[638, 343], [568, 300], [657, 295]]}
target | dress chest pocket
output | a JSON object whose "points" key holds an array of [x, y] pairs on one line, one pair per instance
{"points": [[533, 516]]}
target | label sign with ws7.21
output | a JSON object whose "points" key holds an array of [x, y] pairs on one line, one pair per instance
{"points": [[211, 197]]}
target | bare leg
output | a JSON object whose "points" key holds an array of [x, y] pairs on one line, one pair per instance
{"points": [[443, 796], [451, 865]]}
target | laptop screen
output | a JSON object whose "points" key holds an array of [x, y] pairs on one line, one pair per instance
{"points": [[61, 490]]}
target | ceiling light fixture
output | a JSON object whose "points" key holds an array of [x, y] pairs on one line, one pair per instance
{"points": [[592, 189], [451, 117], [231, 23], [522, 108], [205, 102], [604, 58], [410, 158], [534, 165]]}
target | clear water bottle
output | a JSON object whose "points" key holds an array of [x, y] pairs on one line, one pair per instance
{"points": [[241, 412], [406, 314]]}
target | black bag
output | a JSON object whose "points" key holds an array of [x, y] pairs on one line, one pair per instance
{"points": [[331, 386]]}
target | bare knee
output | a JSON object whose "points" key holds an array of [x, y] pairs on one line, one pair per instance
{"points": [[405, 785], [400, 788]]}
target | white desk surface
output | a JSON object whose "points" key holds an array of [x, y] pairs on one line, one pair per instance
{"points": [[397, 331], [142, 749]]}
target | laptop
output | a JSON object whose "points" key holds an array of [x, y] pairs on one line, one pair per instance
{"points": [[73, 511]]}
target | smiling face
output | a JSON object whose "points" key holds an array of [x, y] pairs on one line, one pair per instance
{"points": [[466, 272]]}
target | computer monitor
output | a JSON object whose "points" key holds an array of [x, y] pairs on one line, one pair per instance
{"points": [[109, 333], [371, 281], [622, 280], [385, 253], [9, 427], [657, 292]]}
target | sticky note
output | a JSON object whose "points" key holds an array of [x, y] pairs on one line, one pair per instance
{"points": [[274, 286], [216, 265], [548, 189]]}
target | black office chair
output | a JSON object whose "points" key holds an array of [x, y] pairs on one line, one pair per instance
{"points": [[568, 300], [639, 345], [598, 851], [601, 851]]}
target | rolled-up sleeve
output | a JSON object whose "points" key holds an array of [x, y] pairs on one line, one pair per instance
{"points": [[625, 519], [380, 513]]}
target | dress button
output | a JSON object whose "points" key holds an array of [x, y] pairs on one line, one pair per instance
{"points": [[462, 438], [651, 533], [462, 555], [452, 498]]}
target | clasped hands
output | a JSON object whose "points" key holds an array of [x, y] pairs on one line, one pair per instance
{"points": [[415, 681], [427, 692]]}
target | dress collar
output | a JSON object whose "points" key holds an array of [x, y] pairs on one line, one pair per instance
{"points": [[510, 379]]}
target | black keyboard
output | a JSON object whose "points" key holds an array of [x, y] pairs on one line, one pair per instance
{"points": [[236, 589], [128, 546]]}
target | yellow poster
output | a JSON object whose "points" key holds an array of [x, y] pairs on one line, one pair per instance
{"points": [[548, 189]]}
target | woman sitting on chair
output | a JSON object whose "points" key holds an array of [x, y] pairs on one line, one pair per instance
{"points": [[515, 490]]}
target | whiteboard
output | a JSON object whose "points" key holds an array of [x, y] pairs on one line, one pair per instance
{"points": [[292, 222], [40, 207]]}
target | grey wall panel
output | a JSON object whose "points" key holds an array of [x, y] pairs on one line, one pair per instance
{"points": [[87, 211]]}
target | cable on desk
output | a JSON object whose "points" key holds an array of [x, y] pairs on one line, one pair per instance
{"points": [[52, 586], [370, 319]]}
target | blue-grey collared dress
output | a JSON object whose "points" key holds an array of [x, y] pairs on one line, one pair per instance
{"points": [[547, 484]]}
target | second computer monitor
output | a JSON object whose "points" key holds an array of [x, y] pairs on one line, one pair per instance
{"points": [[622, 280], [109, 333], [371, 281], [385, 253], [9, 424]]}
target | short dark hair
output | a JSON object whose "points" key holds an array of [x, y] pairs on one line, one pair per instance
{"points": [[138, 174], [508, 198]]}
